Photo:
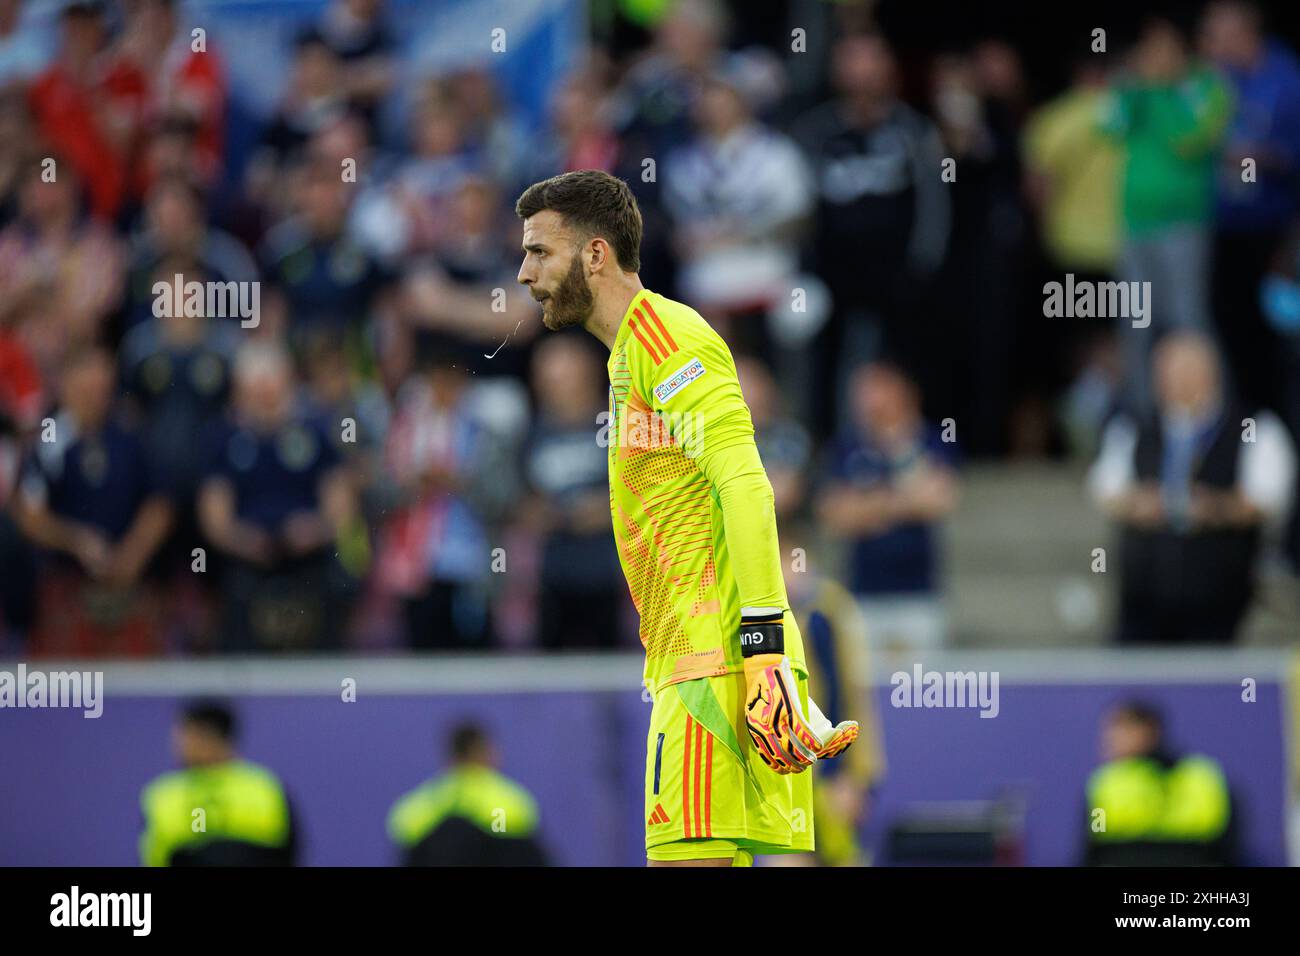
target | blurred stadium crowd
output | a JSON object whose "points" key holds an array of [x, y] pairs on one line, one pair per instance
{"points": [[359, 468]]}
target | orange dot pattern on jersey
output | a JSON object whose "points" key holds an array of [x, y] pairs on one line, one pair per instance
{"points": [[660, 552]]}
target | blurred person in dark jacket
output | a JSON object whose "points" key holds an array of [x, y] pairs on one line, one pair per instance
{"points": [[471, 815], [451, 296], [91, 496], [354, 412], [175, 237], [652, 106], [170, 150], [219, 809], [494, 132], [176, 374], [651, 113], [783, 443], [273, 502], [319, 275], [357, 31], [738, 195], [581, 589], [970, 351], [889, 481], [373, 220], [437, 162], [314, 99], [1252, 211], [176, 379], [1148, 805], [882, 212], [1193, 486]]}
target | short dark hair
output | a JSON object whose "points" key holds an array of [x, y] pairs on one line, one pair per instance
{"points": [[213, 716], [1250, 9], [595, 203], [466, 740], [1142, 712], [309, 37], [183, 184], [1171, 16], [84, 9]]}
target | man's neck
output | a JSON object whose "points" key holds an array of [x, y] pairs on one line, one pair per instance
{"points": [[610, 308], [215, 760]]}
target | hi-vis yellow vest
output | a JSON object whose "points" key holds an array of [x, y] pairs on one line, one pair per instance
{"points": [[1144, 800], [236, 800], [491, 801]]}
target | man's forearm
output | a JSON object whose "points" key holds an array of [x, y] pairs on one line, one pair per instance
{"points": [[749, 523], [1224, 509], [852, 511], [233, 536], [47, 529], [146, 534], [929, 498]]}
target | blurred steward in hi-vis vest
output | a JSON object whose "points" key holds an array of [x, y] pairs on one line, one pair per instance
{"points": [[220, 810], [471, 815], [1150, 807]]}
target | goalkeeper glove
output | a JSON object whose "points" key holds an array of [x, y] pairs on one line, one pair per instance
{"points": [[786, 739]]}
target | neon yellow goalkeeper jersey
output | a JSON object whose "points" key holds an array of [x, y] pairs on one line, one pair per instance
{"points": [[692, 507]]}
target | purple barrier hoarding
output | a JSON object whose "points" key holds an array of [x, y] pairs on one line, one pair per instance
{"points": [[71, 785]]}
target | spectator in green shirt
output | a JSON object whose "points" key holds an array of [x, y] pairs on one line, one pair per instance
{"points": [[1169, 113]]}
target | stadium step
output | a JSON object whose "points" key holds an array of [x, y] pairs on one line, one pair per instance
{"points": [[1018, 558]]}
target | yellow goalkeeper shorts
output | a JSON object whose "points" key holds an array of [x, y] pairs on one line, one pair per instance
{"points": [[708, 794]]}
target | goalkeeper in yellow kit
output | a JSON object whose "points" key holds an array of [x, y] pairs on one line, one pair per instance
{"points": [[732, 730]]}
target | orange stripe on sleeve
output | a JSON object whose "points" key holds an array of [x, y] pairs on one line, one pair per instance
{"points": [[640, 338], [650, 331], [708, 790], [699, 746], [686, 778], [659, 322]]}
